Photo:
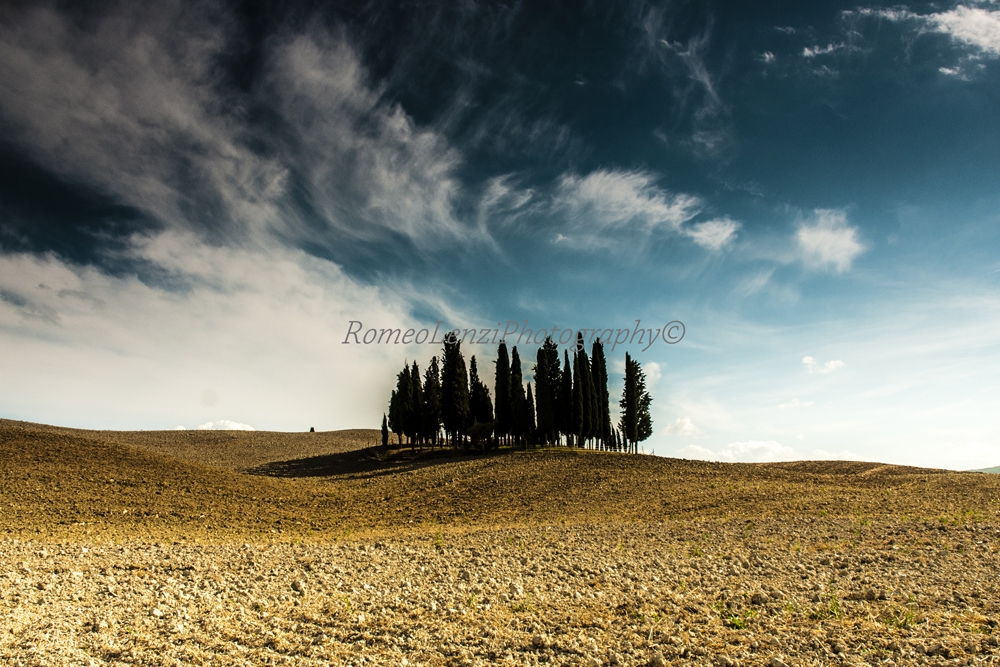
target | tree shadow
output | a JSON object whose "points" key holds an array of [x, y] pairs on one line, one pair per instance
{"points": [[364, 463]]}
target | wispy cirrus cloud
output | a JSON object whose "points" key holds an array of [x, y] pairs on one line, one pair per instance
{"points": [[713, 234], [133, 103], [812, 52], [608, 202], [367, 167], [608, 199], [977, 28], [130, 103]]}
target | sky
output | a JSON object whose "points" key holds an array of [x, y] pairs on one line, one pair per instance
{"points": [[199, 199]]}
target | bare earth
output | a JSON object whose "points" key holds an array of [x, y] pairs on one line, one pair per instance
{"points": [[155, 549]]}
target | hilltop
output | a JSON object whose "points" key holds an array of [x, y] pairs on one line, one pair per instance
{"points": [[222, 485]]}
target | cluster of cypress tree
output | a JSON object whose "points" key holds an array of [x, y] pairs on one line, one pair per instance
{"points": [[570, 404]]}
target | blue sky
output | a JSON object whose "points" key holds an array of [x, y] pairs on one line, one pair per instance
{"points": [[196, 198]]}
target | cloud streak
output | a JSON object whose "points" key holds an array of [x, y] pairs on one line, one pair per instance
{"points": [[600, 206], [974, 27], [130, 104]]}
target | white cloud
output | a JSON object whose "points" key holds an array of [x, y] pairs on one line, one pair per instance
{"points": [[828, 367], [821, 50], [604, 204], [368, 166], [713, 234], [748, 452], [263, 331], [685, 428], [796, 403], [135, 105], [697, 453], [767, 57], [501, 195], [828, 242], [843, 455], [131, 105], [608, 200], [653, 373], [224, 425], [972, 26]]}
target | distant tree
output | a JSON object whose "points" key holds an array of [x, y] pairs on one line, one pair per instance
{"points": [[454, 392], [578, 418], [385, 431], [394, 413], [629, 402], [599, 369], [501, 393], [636, 424], [399, 405], [543, 395], [564, 400], [518, 408], [529, 417], [432, 402], [550, 352], [415, 409], [480, 403], [644, 426], [589, 402]]}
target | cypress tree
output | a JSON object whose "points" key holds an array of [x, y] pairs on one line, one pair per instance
{"points": [[394, 420], [564, 412], [454, 391], [480, 408], [480, 403], [385, 431], [543, 394], [577, 423], [416, 407], [518, 408], [529, 409], [432, 402], [588, 413], [502, 393], [644, 422], [401, 419], [599, 368], [629, 403], [551, 354]]}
